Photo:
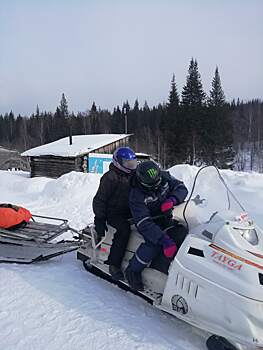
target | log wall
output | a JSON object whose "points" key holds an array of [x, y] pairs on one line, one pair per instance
{"points": [[53, 166], [109, 149]]}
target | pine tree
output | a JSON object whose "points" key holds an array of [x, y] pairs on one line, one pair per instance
{"points": [[94, 119], [169, 125], [63, 107], [11, 128], [133, 118], [173, 99], [117, 121], [146, 108], [60, 120], [219, 127], [136, 105], [93, 108], [217, 96], [192, 116], [193, 93]]}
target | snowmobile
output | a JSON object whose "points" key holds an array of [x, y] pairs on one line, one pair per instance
{"points": [[36, 240], [215, 281]]}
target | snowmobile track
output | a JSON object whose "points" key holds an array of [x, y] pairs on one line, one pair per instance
{"points": [[146, 295]]}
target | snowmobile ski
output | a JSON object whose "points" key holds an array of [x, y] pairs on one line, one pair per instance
{"points": [[14, 253], [219, 343]]}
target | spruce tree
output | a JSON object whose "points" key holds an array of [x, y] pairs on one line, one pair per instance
{"points": [[63, 106], [133, 118], [219, 127], [93, 108], [11, 128], [117, 121], [60, 123], [136, 105], [217, 96], [146, 108], [173, 99], [192, 116], [170, 126], [193, 93], [94, 119]]}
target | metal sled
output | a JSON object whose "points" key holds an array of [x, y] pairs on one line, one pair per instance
{"points": [[35, 240]]}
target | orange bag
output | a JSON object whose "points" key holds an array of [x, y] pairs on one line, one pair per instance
{"points": [[12, 215]]}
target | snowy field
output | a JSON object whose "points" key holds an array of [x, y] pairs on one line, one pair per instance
{"points": [[58, 305]]}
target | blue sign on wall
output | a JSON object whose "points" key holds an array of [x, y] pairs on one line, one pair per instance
{"points": [[99, 163]]}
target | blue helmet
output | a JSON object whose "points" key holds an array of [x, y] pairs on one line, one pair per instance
{"points": [[125, 159]]}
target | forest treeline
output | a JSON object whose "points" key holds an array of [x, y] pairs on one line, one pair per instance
{"points": [[192, 127]]}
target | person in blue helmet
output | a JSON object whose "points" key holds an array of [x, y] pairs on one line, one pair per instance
{"points": [[153, 195], [111, 205]]}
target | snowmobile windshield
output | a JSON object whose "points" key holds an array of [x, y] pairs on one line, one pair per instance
{"points": [[211, 199]]}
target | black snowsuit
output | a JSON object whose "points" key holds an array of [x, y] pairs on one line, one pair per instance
{"points": [[111, 204]]}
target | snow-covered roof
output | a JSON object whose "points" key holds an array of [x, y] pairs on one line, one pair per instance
{"points": [[81, 144], [140, 154], [2, 149]]}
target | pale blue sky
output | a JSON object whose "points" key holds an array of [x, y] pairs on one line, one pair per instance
{"points": [[110, 51]]}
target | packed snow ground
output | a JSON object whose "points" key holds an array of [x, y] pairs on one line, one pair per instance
{"points": [[58, 305]]}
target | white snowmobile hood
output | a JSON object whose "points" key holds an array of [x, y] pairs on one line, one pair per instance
{"points": [[231, 244]]}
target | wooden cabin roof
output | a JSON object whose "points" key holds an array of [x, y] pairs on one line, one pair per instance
{"points": [[81, 144]]}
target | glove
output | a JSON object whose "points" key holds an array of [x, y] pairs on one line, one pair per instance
{"points": [[169, 247], [168, 204], [100, 226]]}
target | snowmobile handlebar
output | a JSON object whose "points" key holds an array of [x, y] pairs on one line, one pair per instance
{"points": [[156, 217]]}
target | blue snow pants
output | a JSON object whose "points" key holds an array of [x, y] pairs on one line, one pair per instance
{"points": [[148, 251]]}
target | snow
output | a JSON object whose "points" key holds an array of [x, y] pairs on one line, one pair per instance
{"points": [[81, 144], [58, 305]]}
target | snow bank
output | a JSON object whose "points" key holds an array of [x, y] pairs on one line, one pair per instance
{"points": [[70, 196]]}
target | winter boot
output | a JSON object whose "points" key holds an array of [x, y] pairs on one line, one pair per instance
{"points": [[116, 273], [134, 279]]}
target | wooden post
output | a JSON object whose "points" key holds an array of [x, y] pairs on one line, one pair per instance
{"points": [[70, 130], [125, 120]]}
